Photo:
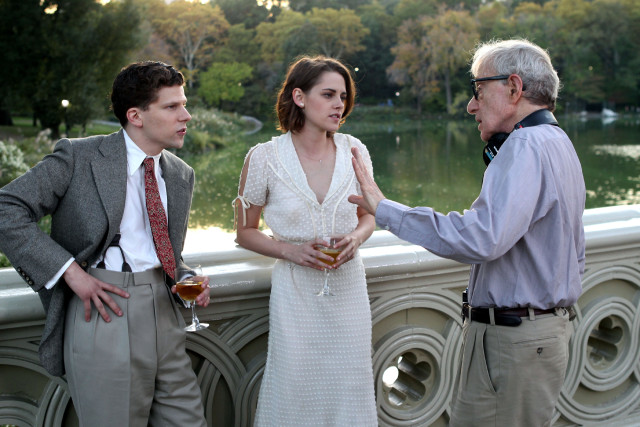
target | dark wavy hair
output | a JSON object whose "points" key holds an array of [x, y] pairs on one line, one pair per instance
{"points": [[304, 73], [137, 85]]}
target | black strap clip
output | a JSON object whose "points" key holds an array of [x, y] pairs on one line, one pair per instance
{"points": [[115, 242]]}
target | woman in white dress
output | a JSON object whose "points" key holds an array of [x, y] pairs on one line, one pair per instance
{"points": [[318, 370]]}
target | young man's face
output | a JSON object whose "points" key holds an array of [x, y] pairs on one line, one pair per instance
{"points": [[164, 122]]}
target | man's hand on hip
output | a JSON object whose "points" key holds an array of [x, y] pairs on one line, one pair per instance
{"points": [[89, 289], [371, 194]]}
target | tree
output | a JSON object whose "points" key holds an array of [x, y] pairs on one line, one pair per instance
{"points": [[614, 49], [328, 31], [372, 62], [597, 65], [430, 50], [492, 21], [410, 67], [240, 45], [156, 47], [247, 12], [223, 82], [340, 32], [68, 49], [308, 5], [272, 36], [413, 9], [450, 38], [194, 31]]}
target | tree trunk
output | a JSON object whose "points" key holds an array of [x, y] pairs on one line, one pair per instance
{"points": [[447, 89], [5, 118]]}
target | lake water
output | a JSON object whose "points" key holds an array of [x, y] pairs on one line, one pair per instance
{"points": [[434, 163]]}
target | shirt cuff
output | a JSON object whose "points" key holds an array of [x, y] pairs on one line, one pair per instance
{"points": [[389, 215], [51, 283]]}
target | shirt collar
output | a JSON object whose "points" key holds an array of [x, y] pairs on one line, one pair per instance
{"points": [[135, 156]]}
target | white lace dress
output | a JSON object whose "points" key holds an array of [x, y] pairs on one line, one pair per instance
{"points": [[318, 370]]}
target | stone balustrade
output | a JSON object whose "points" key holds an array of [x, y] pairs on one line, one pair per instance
{"points": [[415, 303]]}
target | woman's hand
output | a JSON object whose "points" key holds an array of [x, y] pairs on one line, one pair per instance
{"points": [[349, 245], [307, 255]]}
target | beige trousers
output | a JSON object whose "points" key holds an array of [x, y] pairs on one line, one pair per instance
{"points": [[133, 371], [511, 376]]}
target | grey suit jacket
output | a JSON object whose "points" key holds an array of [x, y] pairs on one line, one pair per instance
{"points": [[82, 184]]}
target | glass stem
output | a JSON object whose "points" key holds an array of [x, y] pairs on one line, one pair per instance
{"points": [[194, 318]]}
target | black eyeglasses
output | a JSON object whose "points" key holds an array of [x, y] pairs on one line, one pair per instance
{"points": [[483, 79]]}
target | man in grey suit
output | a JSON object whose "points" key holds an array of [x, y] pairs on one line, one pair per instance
{"points": [[120, 209]]}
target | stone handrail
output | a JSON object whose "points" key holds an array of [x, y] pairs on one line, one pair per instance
{"points": [[415, 303]]}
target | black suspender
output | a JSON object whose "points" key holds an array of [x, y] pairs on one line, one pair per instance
{"points": [[115, 242]]}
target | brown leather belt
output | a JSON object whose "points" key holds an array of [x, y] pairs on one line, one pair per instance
{"points": [[502, 316]]}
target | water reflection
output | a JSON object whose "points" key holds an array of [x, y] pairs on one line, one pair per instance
{"points": [[631, 151], [436, 163]]}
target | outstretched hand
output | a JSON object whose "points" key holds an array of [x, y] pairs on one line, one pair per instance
{"points": [[371, 194]]}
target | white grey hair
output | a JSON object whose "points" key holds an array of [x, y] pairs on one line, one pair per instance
{"points": [[526, 59]]}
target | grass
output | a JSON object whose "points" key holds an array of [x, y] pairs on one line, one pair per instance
{"points": [[23, 128]]}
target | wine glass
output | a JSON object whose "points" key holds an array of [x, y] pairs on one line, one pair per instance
{"points": [[328, 249], [188, 289]]}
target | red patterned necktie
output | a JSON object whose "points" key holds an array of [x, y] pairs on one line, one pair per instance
{"points": [[158, 219]]}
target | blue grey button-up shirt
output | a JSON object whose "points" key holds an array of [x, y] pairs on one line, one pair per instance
{"points": [[523, 235]]}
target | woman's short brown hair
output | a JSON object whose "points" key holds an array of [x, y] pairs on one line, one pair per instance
{"points": [[304, 73]]}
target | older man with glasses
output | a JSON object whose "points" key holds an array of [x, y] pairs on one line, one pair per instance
{"points": [[523, 237]]}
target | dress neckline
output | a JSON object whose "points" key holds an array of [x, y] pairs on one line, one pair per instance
{"points": [[298, 177]]}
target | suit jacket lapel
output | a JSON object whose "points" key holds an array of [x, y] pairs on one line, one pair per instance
{"points": [[178, 201], [110, 177]]}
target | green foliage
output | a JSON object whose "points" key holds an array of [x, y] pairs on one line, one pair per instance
{"points": [[372, 62], [308, 5], [68, 49], [16, 157], [210, 129], [73, 50], [273, 36], [429, 52], [340, 32], [239, 39], [413, 9], [223, 82], [193, 31], [245, 12], [12, 162], [335, 33]]}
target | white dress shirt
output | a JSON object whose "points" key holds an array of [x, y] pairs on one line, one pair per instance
{"points": [[136, 239], [523, 235]]}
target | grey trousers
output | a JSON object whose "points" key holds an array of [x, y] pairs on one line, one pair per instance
{"points": [[511, 376], [133, 371]]}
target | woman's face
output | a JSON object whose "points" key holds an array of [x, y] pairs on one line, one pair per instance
{"points": [[323, 104]]}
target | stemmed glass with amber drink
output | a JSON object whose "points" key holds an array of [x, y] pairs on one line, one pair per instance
{"points": [[328, 248], [188, 289]]}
